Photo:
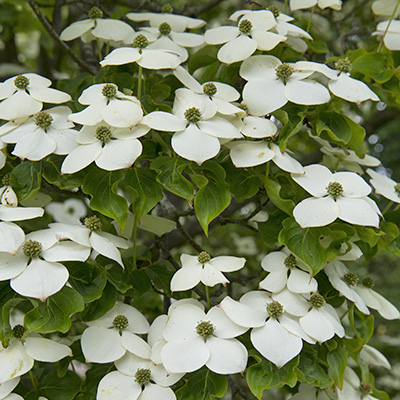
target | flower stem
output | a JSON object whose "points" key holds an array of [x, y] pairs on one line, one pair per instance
{"points": [[140, 77], [387, 207], [309, 21], [208, 296], [135, 225], [387, 27], [99, 49], [34, 382]]}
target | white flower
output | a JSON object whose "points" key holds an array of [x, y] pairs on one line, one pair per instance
{"points": [[374, 357], [307, 392], [19, 356], [250, 34], [7, 387], [284, 270], [107, 103], [203, 268], [45, 133], [91, 236], [385, 186], [301, 4], [353, 389], [97, 27], [146, 57], [340, 195], [276, 334], [137, 379], [386, 7], [392, 35], [3, 157], [23, 95], [110, 148], [108, 338], [197, 126], [195, 339], [69, 212], [272, 84]]}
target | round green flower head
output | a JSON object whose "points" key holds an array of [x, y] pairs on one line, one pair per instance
{"points": [[366, 389], [245, 26], [368, 283], [209, 89], [317, 300], [203, 257], [275, 309], [344, 65], [103, 133], [93, 223], [140, 41], [244, 107], [290, 261], [193, 114], [283, 72], [142, 376], [274, 10], [351, 278], [167, 9], [335, 189], [95, 12], [165, 28], [6, 179], [18, 331], [397, 188], [120, 322], [21, 82], [43, 119], [205, 329], [32, 248], [109, 91]]}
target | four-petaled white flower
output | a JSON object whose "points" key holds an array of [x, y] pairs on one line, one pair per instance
{"points": [[24, 95], [385, 186], [340, 195], [301, 4], [203, 268], [69, 212], [195, 339]]}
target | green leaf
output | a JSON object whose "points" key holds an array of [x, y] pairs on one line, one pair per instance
{"points": [[170, 176], [160, 276], [363, 325], [202, 384], [273, 189], [87, 279], [5, 328], [310, 372], [157, 225], [378, 66], [337, 361], [291, 125], [304, 243], [263, 375], [102, 186], [202, 58], [26, 179], [92, 378], [55, 388], [269, 230], [148, 192], [120, 279], [54, 314]]}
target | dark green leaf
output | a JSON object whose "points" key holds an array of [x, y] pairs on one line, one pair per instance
{"points": [[160, 276], [377, 66], [273, 189], [54, 388], [337, 361], [5, 328], [269, 230], [26, 179], [310, 372]]}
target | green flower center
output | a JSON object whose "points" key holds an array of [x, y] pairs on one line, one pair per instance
{"points": [[103, 133], [245, 26], [93, 223], [165, 28], [209, 89], [140, 41], [397, 188], [95, 12], [366, 389], [6, 179], [203, 257], [193, 114], [18, 331], [290, 261], [317, 300], [120, 322], [335, 189], [43, 119], [109, 91], [351, 278], [344, 64], [368, 283], [21, 82], [244, 107], [283, 72], [275, 309], [142, 376], [205, 329], [274, 10], [32, 248], [167, 9]]}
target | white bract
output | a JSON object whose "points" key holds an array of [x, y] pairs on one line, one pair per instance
{"points": [[197, 126], [24, 95], [301, 4], [7, 387], [340, 195], [391, 32], [353, 388], [271, 84], [385, 186], [386, 7], [307, 392], [69, 212], [110, 148], [195, 339], [203, 268], [42, 134], [108, 338], [106, 103]]}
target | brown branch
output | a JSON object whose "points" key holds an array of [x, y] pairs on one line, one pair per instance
{"points": [[49, 28]]}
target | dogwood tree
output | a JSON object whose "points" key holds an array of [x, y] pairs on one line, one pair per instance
{"points": [[188, 203]]}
